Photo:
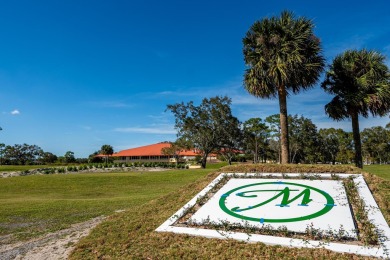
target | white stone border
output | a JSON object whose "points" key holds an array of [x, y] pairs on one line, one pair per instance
{"points": [[371, 206]]}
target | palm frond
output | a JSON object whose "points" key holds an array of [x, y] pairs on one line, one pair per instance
{"points": [[281, 51], [361, 78]]}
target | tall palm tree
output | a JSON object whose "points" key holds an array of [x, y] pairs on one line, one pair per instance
{"points": [[359, 79], [283, 55], [107, 150]]}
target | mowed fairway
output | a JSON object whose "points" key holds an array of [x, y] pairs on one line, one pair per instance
{"points": [[34, 205], [382, 171]]}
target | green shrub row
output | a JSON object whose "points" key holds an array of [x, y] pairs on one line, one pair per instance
{"points": [[157, 164], [113, 165]]}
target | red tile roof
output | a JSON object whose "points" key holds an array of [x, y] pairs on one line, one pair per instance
{"points": [[150, 150]]}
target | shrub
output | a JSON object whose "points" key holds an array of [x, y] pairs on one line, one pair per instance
{"points": [[48, 170]]}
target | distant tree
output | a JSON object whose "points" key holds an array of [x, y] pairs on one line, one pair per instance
{"points": [[82, 160], [175, 148], [93, 158], [232, 143], [304, 141], [330, 143], [346, 154], [22, 154], [256, 134], [303, 138], [283, 56], [48, 157], [360, 82], [69, 157], [205, 125], [273, 122], [60, 159], [376, 143], [106, 150], [2, 147]]}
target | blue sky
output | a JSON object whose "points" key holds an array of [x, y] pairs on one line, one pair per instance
{"points": [[75, 75]]}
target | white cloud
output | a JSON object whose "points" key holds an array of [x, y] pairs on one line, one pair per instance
{"points": [[15, 112], [247, 99], [228, 88], [158, 129], [164, 118]]}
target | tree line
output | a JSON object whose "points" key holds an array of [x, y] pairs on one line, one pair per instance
{"points": [[308, 144], [26, 154], [211, 128]]}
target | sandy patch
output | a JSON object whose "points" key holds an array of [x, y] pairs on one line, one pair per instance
{"points": [[57, 245]]}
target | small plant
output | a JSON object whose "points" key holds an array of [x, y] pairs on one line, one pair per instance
{"points": [[367, 232], [24, 173]]}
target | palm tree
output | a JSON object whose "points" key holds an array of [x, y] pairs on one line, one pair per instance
{"points": [[283, 55], [106, 150], [360, 82]]}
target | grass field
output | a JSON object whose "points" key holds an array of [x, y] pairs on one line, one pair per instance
{"points": [[33, 205], [15, 168], [382, 171]]}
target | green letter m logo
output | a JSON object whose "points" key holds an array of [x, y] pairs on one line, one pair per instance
{"points": [[285, 199], [282, 195]]}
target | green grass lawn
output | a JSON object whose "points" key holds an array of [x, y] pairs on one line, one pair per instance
{"points": [[15, 168], [382, 171], [33, 205]]}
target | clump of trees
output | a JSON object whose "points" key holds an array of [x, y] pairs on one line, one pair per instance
{"points": [[208, 127], [308, 144], [376, 144], [26, 154], [23, 154], [211, 128]]}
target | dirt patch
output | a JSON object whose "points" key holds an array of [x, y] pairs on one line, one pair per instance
{"points": [[57, 245]]}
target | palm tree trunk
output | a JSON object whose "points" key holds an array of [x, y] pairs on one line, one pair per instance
{"points": [[356, 140], [204, 161], [283, 124], [256, 152]]}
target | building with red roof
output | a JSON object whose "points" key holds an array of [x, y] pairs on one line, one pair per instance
{"points": [[153, 153]]}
